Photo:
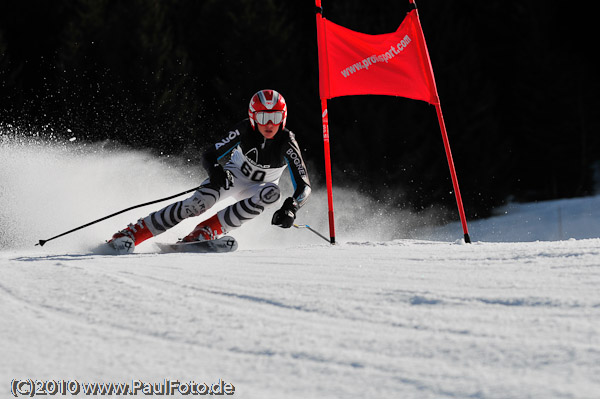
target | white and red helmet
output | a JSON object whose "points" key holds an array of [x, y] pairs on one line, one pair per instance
{"points": [[267, 105]]}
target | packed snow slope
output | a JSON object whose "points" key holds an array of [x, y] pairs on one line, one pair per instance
{"points": [[391, 311]]}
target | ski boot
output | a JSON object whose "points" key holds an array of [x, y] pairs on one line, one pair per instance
{"points": [[124, 241], [210, 229]]}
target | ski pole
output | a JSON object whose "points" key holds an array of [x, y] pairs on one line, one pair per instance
{"points": [[42, 242], [305, 226]]}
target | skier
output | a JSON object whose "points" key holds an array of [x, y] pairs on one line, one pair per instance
{"points": [[260, 149]]}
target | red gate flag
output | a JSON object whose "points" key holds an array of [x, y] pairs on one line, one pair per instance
{"points": [[394, 64]]}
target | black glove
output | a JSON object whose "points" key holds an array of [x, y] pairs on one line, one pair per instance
{"points": [[285, 216], [220, 177]]}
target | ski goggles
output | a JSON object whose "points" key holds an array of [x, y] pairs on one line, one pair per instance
{"points": [[263, 117]]}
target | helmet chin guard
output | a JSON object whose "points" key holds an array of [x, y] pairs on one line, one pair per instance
{"points": [[264, 102]]}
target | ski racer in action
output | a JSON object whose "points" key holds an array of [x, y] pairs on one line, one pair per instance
{"points": [[259, 148]]}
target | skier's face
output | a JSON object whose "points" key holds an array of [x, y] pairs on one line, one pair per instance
{"points": [[269, 130]]}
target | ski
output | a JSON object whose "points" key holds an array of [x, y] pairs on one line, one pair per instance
{"points": [[223, 244]]}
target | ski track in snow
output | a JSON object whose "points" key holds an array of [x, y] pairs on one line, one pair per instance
{"points": [[405, 318], [287, 315]]}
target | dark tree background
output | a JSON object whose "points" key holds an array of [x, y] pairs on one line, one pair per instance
{"points": [[517, 82]]}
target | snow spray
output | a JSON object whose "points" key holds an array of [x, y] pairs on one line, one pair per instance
{"points": [[51, 186]]}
